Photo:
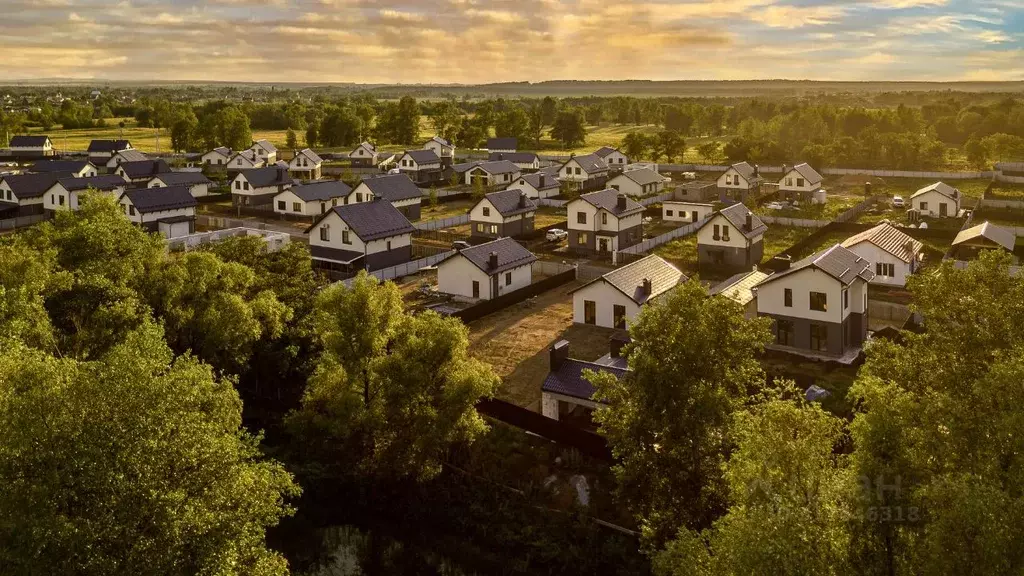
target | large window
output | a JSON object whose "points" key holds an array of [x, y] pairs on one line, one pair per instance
{"points": [[508, 278], [619, 315], [725, 233], [487, 211], [296, 206], [589, 312], [784, 332], [604, 218], [581, 239], [819, 337], [846, 299], [819, 301], [884, 269], [282, 205], [718, 232]]}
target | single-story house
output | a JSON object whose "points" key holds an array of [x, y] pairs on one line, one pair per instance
{"points": [[732, 239], [566, 393], [503, 144], [142, 171], [364, 155], [66, 193], [894, 254], [259, 186], [685, 211], [740, 289], [368, 235], [639, 182], [615, 159], [306, 165], [696, 191], [537, 185], [486, 271], [397, 189], [616, 297], [76, 168], [496, 173], [500, 214], [985, 236], [312, 198], [196, 182], [938, 200], [525, 161], [28, 147], [168, 210], [26, 191]]}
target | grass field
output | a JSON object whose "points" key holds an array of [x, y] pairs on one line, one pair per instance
{"points": [[444, 209], [779, 238], [833, 207]]}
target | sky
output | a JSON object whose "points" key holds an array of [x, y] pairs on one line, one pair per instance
{"points": [[484, 41]]}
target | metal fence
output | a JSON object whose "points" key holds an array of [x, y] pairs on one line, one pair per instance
{"points": [[846, 171], [406, 268], [551, 202], [647, 245], [442, 222], [655, 199], [22, 221], [796, 222]]}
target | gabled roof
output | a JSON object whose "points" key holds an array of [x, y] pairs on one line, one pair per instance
{"points": [[608, 199], [511, 254], [746, 171], [267, 176], [550, 170], [157, 199], [505, 143], [629, 279], [739, 287], [605, 151], [516, 157], [534, 180], [440, 141], [28, 141], [510, 202], [423, 156], [838, 262], [736, 215], [101, 182], [32, 185], [144, 168], [805, 170], [989, 231], [888, 238], [310, 155], [222, 150], [497, 167], [132, 155], [321, 190], [642, 176], [568, 379], [463, 167], [182, 178], [70, 166], [249, 155], [265, 144], [366, 145], [108, 146], [392, 187], [371, 220], [589, 162], [940, 187]]}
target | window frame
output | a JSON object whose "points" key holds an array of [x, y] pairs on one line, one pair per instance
{"points": [[812, 296]]}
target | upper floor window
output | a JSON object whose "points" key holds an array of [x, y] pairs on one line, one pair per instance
{"points": [[581, 217], [325, 233], [819, 301]]}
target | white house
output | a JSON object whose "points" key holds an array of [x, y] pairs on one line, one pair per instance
{"points": [[168, 210], [246, 160], [260, 185], [525, 161], [196, 182], [739, 181], [486, 271], [584, 172], [444, 149], [369, 235], [25, 147], [613, 158], [365, 154], [123, 156], [938, 200], [422, 166], [616, 298], [642, 182], [566, 392], [100, 151], [26, 191], [604, 221], [508, 213], [312, 198], [731, 239], [66, 193], [142, 171], [496, 173], [894, 254], [397, 189], [799, 182], [685, 211], [306, 165], [265, 151], [74, 168], [219, 156], [537, 185], [819, 304]]}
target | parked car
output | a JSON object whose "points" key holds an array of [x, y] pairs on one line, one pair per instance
{"points": [[897, 202], [460, 245], [774, 206], [556, 234]]}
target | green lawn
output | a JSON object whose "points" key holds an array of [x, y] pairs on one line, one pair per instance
{"points": [[780, 238], [681, 252], [833, 207]]}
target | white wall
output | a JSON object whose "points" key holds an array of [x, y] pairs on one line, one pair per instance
{"points": [[605, 297], [934, 199], [706, 235], [616, 160], [337, 226], [476, 214], [215, 158], [577, 206], [626, 186], [731, 175], [457, 274], [874, 254], [790, 182], [681, 211], [771, 296], [305, 208], [51, 199]]}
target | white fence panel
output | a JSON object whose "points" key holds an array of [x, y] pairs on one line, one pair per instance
{"points": [[795, 222], [996, 203], [442, 222], [647, 245], [405, 268], [22, 221], [551, 202]]}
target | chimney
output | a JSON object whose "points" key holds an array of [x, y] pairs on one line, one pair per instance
{"points": [[757, 170], [750, 221], [621, 203], [558, 354], [867, 189], [542, 181], [646, 287], [492, 260], [785, 169], [615, 345], [522, 199], [780, 262]]}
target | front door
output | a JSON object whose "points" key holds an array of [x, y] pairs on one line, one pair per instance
{"points": [[602, 244]]}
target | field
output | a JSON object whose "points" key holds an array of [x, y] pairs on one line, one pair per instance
{"points": [[833, 207], [444, 209]]}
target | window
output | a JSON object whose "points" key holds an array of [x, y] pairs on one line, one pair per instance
{"points": [[239, 161], [604, 218], [389, 246], [615, 186], [923, 205], [581, 217], [323, 207], [359, 196], [789, 181], [281, 205], [60, 199], [668, 213], [787, 298], [725, 233], [238, 184], [581, 238], [131, 210], [479, 227], [476, 289], [53, 198], [846, 299], [334, 201], [494, 229], [784, 332], [325, 234], [578, 171], [508, 278], [819, 301], [819, 337], [619, 316], [800, 182], [487, 211], [883, 269], [589, 312], [245, 185], [345, 237], [718, 234], [296, 206]]}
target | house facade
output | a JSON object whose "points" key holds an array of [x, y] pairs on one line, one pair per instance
{"points": [[893, 254], [101, 151], [938, 200], [306, 165], [641, 182], [587, 172], [218, 157], [26, 191], [258, 187], [739, 182], [509, 213], [444, 149], [397, 189], [604, 222], [66, 193], [616, 160], [799, 183], [364, 155], [537, 185], [731, 240], [28, 147], [369, 235], [423, 167], [75, 168], [265, 151], [486, 271], [311, 199], [492, 174], [196, 182], [688, 212], [122, 157], [566, 393], [245, 160], [139, 172], [969, 243], [615, 298], [525, 161], [170, 211]]}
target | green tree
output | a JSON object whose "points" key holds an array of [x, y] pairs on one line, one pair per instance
{"points": [[233, 128], [693, 364], [671, 145], [393, 391], [570, 128], [433, 195], [184, 132], [341, 127], [446, 118], [291, 141], [635, 145], [513, 122], [976, 153], [312, 134], [156, 448], [710, 151], [27, 276]]}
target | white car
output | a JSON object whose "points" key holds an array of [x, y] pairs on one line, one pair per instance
{"points": [[774, 206], [556, 234], [897, 202]]}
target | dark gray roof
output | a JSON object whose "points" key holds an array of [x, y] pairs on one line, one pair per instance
{"points": [[144, 168], [267, 176], [745, 170], [498, 167], [372, 220], [183, 178], [130, 156], [736, 215], [423, 156], [604, 151], [224, 150], [590, 162], [805, 170], [393, 187], [568, 378], [335, 254], [464, 166], [505, 143], [101, 182], [534, 180], [157, 199], [642, 176], [322, 190], [28, 141], [266, 145], [608, 199], [516, 157], [510, 202], [70, 166], [310, 155], [629, 279], [108, 146], [940, 187], [511, 254], [552, 170], [32, 185], [838, 262]]}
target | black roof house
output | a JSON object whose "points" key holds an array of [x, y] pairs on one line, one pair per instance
{"points": [[497, 256], [183, 178], [371, 220], [32, 185], [267, 176], [148, 200], [28, 141], [65, 166], [742, 219], [322, 190], [108, 146], [392, 187], [511, 202], [139, 169], [101, 182], [503, 143], [613, 201]]}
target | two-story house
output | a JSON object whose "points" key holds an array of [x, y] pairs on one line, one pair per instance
{"points": [[616, 160], [306, 165], [170, 211], [819, 304], [141, 171], [76, 168], [490, 174], [615, 298], [101, 151], [29, 147], [196, 182], [894, 254], [525, 161], [265, 151], [26, 191], [245, 160], [364, 155], [66, 193], [604, 221], [502, 144], [218, 157], [259, 186], [739, 182], [732, 239], [799, 183], [444, 149], [397, 189], [368, 235], [586, 172], [537, 185], [486, 271], [501, 214], [938, 200], [421, 166], [311, 199], [640, 182]]}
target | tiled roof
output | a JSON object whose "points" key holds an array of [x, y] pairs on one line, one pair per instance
{"points": [[604, 151], [104, 146], [568, 378], [374, 220], [502, 143], [310, 155], [809, 174], [940, 187], [498, 167], [28, 141], [144, 168], [889, 238], [267, 176], [131, 156], [462, 167], [515, 157], [738, 287], [511, 254], [266, 145], [321, 190], [72, 166], [590, 163], [393, 187], [534, 180], [608, 199], [249, 155], [642, 176], [745, 170], [629, 279], [838, 262], [101, 182], [222, 150], [157, 199], [32, 185], [989, 231], [423, 156], [736, 215], [510, 202], [183, 178]]}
